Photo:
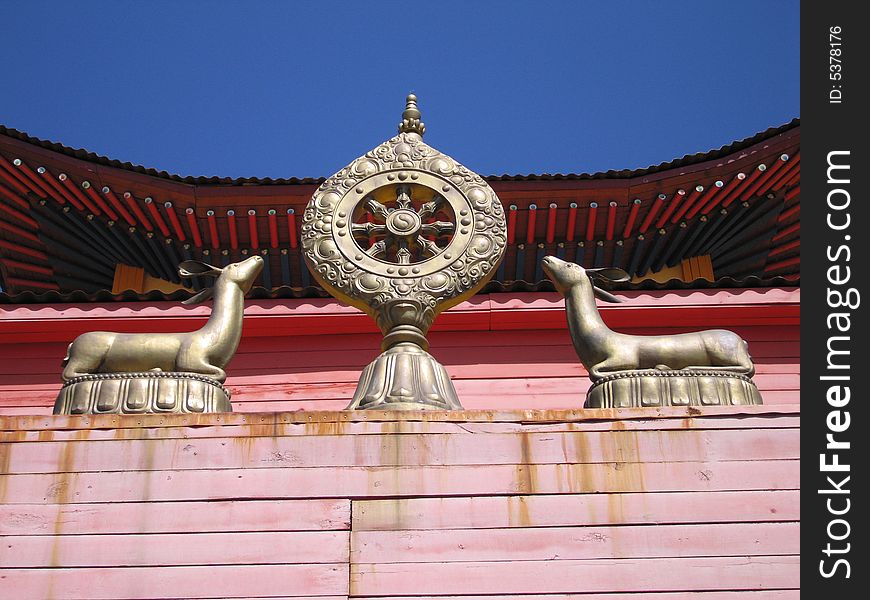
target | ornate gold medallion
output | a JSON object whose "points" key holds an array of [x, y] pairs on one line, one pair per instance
{"points": [[403, 233]]}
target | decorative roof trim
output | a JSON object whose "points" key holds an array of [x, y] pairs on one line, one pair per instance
{"points": [[686, 160]]}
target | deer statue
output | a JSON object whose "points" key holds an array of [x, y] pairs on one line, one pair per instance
{"points": [[205, 351], [605, 352]]}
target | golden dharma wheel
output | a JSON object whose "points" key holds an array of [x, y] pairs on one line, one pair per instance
{"points": [[403, 233]]}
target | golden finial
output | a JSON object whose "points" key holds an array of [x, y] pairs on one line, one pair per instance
{"points": [[411, 122]]}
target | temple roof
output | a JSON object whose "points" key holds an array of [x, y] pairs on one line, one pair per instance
{"points": [[69, 217]]}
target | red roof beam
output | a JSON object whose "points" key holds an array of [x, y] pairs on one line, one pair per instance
{"points": [[724, 193], [792, 245], [656, 207], [252, 229], [794, 179], [19, 216], [632, 217], [137, 210], [768, 176], [212, 230], [792, 193], [193, 227], [532, 222], [173, 220], [42, 189], [783, 233], [789, 213], [233, 229], [672, 206], [16, 230], [783, 264], [787, 175], [113, 199], [291, 227], [706, 199], [732, 196], [273, 227], [90, 191], [19, 282], [62, 195], [611, 220], [591, 218], [13, 247], [13, 197], [572, 222], [155, 214], [11, 176], [21, 266], [512, 224], [551, 222], [687, 203], [71, 188]]}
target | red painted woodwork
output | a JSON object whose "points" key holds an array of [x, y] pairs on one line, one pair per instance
{"points": [[507, 352]]}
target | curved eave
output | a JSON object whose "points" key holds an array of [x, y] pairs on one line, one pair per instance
{"points": [[59, 232]]}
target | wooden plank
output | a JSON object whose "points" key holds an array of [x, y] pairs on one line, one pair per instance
{"points": [[624, 415], [269, 425], [373, 482], [491, 512], [405, 450], [175, 517], [155, 550], [576, 576], [152, 583], [574, 543], [793, 594]]}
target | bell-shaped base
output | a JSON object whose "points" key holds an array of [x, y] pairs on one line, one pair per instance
{"points": [[685, 387], [142, 393], [405, 377]]}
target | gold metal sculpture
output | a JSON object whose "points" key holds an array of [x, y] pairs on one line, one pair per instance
{"points": [[403, 233], [704, 367], [107, 372]]}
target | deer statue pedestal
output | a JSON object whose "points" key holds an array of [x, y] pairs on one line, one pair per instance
{"points": [[684, 387], [138, 393], [702, 368], [135, 373]]}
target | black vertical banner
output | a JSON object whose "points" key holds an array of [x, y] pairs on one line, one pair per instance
{"points": [[835, 266]]}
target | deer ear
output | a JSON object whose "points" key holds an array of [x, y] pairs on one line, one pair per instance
{"points": [[196, 268], [200, 296], [608, 275], [604, 295]]}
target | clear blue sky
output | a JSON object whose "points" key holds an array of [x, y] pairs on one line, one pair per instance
{"points": [[281, 89]]}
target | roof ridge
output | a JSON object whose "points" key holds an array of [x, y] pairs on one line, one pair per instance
{"points": [[686, 160]]}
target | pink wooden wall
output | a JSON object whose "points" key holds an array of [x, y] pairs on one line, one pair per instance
{"points": [[667, 504], [502, 351]]}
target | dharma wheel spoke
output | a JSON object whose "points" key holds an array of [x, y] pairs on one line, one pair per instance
{"points": [[403, 256], [378, 249], [368, 229], [428, 247], [438, 228], [428, 209], [376, 208], [403, 197]]}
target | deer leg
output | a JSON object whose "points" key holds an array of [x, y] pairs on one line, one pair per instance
{"points": [[209, 370]]}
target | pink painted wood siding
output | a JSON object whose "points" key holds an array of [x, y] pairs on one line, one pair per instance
{"points": [[664, 504], [503, 351], [514, 369]]}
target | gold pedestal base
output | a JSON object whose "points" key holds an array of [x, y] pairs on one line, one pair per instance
{"points": [[405, 377], [654, 388], [142, 393]]}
